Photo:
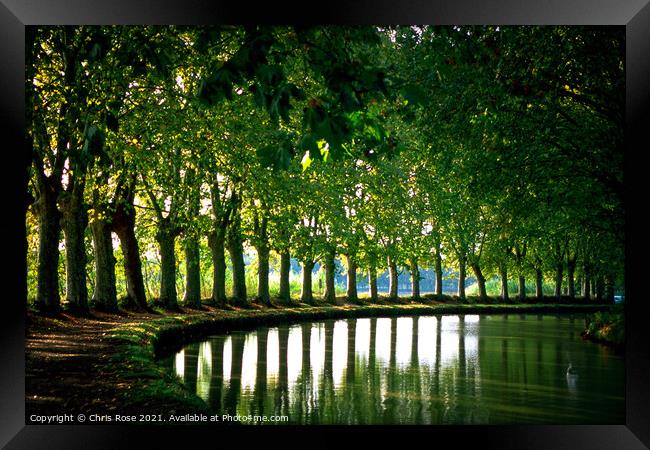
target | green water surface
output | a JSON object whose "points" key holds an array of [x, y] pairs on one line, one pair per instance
{"points": [[451, 369]]}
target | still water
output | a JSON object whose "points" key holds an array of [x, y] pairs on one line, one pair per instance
{"points": [[468, 369]]}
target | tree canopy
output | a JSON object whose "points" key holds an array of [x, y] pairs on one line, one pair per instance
{"points": [[162, 151]]}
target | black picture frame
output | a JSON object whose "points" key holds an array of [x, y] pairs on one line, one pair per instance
{"points": [[16, 14]]}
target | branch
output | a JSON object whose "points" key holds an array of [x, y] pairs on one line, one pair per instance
{"points": [[152, 198]]}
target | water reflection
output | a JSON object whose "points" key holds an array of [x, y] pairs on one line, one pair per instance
{"points": [[458, 369]]}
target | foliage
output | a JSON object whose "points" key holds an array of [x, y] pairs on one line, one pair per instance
{"points": [[608, 327], [495, 147]]}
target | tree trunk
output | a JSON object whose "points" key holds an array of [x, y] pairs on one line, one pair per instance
{"points": [[392, 271], [192, 273], [217, 242], [480, 279], [124, 227], [578, 284], [503, 274], [74, 222], [558, 281], [262, 248], [609, 289], [520, 254], [438, 269], [461, 278], [372, 283], [263, 295], [539, 285], [571, 267], [586, 283], [522, 287], [105, 294], [236, 251], [49, 230], [351, 291], [192, 295], [329, 265], [306, 293], [285, 272], [166, 238], [600, 288], [415, 279]]}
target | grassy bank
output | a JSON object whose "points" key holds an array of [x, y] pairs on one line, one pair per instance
{"points": [[147, 386]]}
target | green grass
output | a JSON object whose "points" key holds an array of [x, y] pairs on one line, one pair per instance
{"points": [[493, 287], [147, 381]]}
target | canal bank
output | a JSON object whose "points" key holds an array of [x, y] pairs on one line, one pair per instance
{"points": [[107, 362]]}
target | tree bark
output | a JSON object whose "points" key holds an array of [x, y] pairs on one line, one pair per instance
{"points": [[217, 242], [330, 288], [285, 272], [522, 287], [105, 293], [262, 248], [306, 293], [236, 251], [74, 221], [124, 227], [503, 274], [351, 291], [438, 270], [372, 283], [166, 238], [586, 282], [520, 254], [192, 273], [394, 280], [609, 289], [600, 288], [539, 285], [571, 267], [480, 279], [461, 278], [263, 295], [48, 298], [415, 279], [558, 281]]}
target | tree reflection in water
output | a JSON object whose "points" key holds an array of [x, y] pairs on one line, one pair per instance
{"points": [[409, 370]]}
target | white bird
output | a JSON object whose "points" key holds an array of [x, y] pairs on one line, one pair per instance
{"points": [[572, 380], [571, 372]]}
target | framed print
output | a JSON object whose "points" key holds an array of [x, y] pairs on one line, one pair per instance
{"points": [[364, 220]]}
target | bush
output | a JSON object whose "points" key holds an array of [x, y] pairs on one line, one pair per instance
{"points": [[607, 327]]}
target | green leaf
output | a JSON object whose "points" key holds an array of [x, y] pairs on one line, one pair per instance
{"points": [[306, 161]]}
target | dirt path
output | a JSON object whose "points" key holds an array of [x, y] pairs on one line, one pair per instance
{"points": [[67, 356]]}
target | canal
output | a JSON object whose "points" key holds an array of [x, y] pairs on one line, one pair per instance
{"points": [[449, 369]]}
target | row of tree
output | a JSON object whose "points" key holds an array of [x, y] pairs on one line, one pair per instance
{"points": [[483, 149]]}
